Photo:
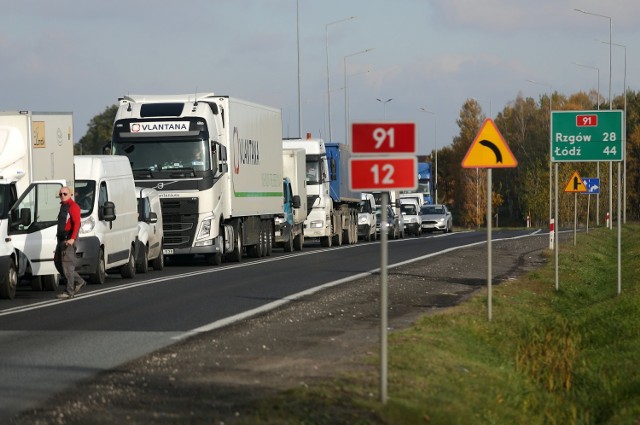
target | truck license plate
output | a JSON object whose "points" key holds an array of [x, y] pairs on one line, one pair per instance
{"points": [[167, 252]]}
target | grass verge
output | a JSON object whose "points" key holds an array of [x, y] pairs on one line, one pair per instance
{"points": [[570, 356]]}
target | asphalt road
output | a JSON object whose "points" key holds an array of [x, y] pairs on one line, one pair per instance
{"points": [[49, 345]]}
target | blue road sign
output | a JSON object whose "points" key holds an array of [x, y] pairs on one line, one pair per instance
{"points": [[592, 185]]}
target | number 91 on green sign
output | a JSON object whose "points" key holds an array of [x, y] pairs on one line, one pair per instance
{"points": [[370, 174]]}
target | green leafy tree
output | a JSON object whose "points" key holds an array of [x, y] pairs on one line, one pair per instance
{"points": [[98, 133]]}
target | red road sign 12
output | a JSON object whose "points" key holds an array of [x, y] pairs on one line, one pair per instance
{"points": [[388, 137], [371, 174]]}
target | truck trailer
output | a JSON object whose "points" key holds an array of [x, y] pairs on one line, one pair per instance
{"points": [[333, 206], [34, 146], [216, 162]]}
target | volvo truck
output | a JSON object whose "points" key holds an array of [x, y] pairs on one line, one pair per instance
{"points": [[216, 162]]}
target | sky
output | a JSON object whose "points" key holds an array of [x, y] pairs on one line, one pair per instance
{"points": [[396, 57]]}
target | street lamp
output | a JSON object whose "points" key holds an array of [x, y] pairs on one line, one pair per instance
{"points": [[610, 107], [346, 119], [598, 162], [550, 167], [610, 30], [624, 133], [435, 141], [384, 107], [328, 90], [348, 94]]}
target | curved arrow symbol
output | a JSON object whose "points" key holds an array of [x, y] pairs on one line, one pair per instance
{"points": [[494, 148]]}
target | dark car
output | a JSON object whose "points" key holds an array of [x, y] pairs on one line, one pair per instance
{"points": [[394, 226]]}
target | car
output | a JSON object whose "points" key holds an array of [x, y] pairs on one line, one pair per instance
{"points": [[393, 226], [436, 217], [150, 232], [411, 215], [367, 218]]}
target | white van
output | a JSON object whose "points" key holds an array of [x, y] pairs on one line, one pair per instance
{"points": [[367, 217], [105, 191], [150, 233]]}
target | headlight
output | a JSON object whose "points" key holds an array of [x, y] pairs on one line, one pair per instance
{"points": [[205, 229], [87, 225], [317, 224], [362, 219]]}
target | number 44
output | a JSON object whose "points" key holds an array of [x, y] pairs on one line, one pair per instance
{"points": [[609, 150]]}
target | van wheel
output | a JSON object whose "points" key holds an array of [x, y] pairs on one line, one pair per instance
{"points": [[129, 270], [9, 281], [49, 282], [158, 262], [288, 244], [100, 275], [142, 266]]}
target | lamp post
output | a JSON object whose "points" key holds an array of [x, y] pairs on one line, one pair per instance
{"points": [[326, 29], [624, 134], [384, 107], [435, 141], [610, 107], [346, 119], [550, 167], [598, 162], [298, 46], [348, 94]]}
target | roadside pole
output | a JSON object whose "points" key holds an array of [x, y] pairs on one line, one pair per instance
{"points": [[489, 150], [384, 253]]}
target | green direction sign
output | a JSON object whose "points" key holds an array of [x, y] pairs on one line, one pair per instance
{"points": [[586, 136]]}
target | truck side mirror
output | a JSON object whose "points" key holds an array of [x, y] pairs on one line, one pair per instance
{"points": [[108, 211], [398, 203], [106, 148], [153, 217], [296, 201]]}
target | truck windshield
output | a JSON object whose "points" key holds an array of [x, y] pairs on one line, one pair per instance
{"points": [[316, 173], [164, 155]]}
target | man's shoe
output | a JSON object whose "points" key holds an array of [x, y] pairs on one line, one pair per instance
{"points": [[79, 286], [64, 296]]}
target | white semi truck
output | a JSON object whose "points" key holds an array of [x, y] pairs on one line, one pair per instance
{"points": [[34, 146], [216, 162], [333, 207]]}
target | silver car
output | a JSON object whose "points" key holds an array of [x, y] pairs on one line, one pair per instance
{"points": [[436, 217]]}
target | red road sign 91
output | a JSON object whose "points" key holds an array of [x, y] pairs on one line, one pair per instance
{"points": [[383, 138], [375, 174], [586, 120]]}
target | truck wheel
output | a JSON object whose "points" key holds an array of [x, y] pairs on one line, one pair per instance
{"points": [[49, 282], [298, 242], [100, 275], [270, 237], [288, 244], [214, 259], [129, 270], [337, 239], [325, 241], [9, 280], [158, 262], [142, 265], [236, 254]]}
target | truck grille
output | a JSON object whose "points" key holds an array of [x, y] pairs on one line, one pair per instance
{"points": [[180, 219]]}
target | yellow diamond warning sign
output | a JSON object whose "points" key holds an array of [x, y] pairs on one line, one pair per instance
{"points": [[489, 150], [575, 184]]}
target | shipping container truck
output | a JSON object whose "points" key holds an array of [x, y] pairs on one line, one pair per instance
{"points": [[36, 159], [290, 224], [216, 162], [332, 205]]}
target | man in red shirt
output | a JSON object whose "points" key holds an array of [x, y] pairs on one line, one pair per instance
{"points": [[65, 255]]}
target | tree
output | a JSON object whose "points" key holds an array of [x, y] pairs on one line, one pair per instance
{"points": [[99, 132]]}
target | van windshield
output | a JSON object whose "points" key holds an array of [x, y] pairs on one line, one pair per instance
{"points": [[84, 195]]}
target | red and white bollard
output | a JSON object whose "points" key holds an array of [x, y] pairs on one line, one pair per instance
{"points": [[607, 217], [528, 221], [551, 233]]}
